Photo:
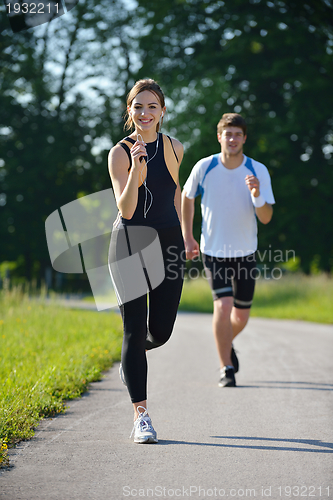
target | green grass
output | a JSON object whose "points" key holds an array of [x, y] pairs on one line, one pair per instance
{"points": [[294, 296], [48, 355]]}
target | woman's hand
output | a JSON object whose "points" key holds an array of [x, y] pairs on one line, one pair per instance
{"points": [[125, 184], [139, 154]]}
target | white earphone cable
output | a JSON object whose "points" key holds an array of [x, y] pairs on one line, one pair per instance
{"points": [[147, 190]]}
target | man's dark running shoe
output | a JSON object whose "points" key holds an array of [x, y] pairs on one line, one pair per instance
{"points": [[227, 377], [234, 360]]}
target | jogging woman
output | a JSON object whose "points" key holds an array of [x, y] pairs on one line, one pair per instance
{"points": [[144, 173]]}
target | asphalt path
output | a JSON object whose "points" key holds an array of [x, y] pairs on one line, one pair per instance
{"points": [[269, 437]]}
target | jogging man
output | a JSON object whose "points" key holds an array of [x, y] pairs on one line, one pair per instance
{"points": [[235, 190]]}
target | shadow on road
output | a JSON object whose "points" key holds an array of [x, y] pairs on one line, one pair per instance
{"points": [[308, 386], [311, 442]]}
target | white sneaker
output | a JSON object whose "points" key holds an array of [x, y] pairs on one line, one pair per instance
{"points": [[143, 429]]}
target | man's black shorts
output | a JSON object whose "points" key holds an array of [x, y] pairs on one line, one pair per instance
{"points": [[232, 277]]}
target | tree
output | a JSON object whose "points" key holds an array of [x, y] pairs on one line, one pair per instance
{"points": [[272, 62], [63, 88]]}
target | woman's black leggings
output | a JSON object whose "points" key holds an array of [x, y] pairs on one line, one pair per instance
{"points": [[149, 326]]}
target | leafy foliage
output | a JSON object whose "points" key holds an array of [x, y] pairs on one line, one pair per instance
{"points": [[272, 62], [63, 91], [62, 99]]}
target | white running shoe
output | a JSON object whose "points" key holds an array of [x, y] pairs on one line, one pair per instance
{"points": [[121, 374], [143, 429]]}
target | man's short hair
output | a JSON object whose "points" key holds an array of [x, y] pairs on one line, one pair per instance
{"points": [[231, 120]]}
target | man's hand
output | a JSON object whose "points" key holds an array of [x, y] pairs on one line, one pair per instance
{"points": [[264, 212], [191, 245], [253, 184], [191, 248]]}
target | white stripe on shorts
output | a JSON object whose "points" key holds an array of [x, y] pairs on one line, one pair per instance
{"points": [[243, 302], [222, 290]]}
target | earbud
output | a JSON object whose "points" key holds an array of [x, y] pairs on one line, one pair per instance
{"points": [[162, 114]]}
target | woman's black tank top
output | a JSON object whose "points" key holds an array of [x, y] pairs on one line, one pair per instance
{"points": [[162, 211]]}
